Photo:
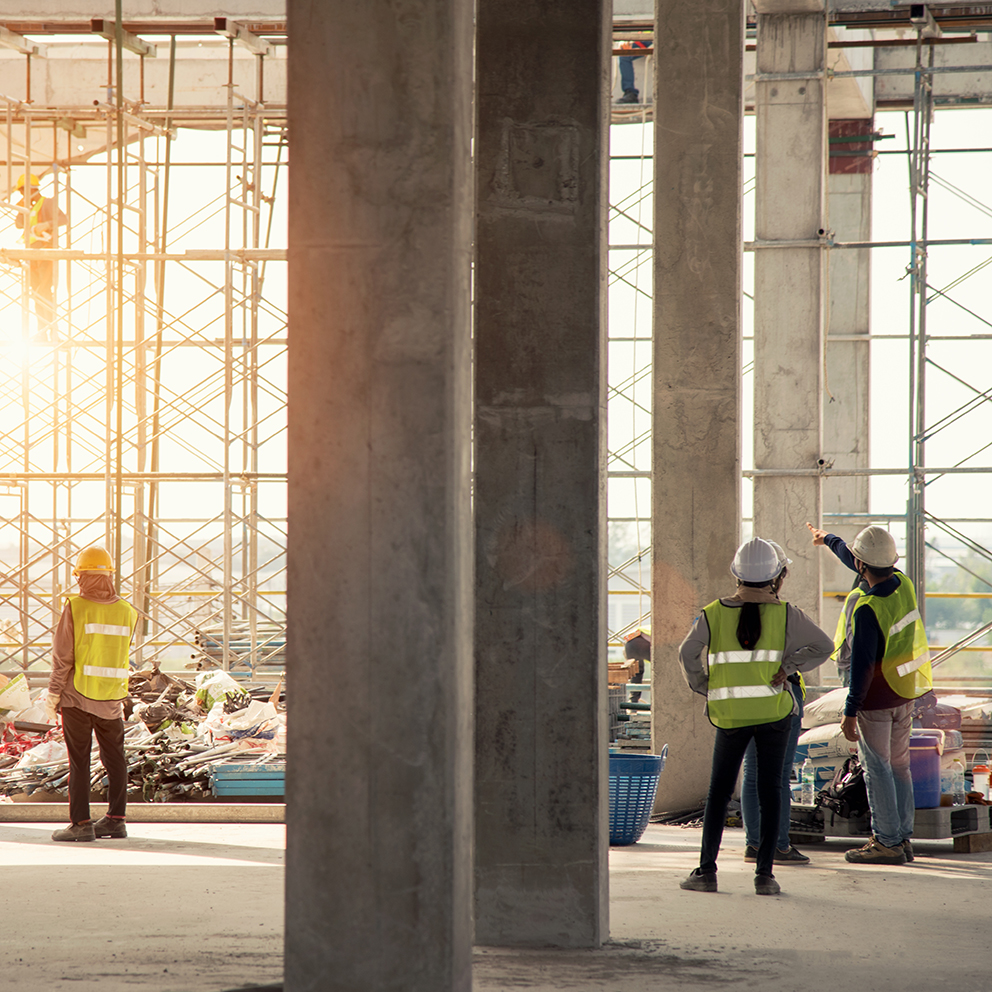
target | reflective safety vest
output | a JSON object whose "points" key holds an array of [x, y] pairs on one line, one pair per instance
{"points": [[739, 692], [29, 236], [906, 662], [102, 638], [842, 636]]}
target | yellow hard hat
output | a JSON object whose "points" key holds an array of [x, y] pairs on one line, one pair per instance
{"points": [[93, 560], [35, 181]]}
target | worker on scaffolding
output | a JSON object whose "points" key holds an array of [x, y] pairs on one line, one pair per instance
{"points": [[89, 680], [38, 224]]}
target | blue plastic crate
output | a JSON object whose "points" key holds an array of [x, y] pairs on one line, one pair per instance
{"points": [[248, 779], [633, 784]]}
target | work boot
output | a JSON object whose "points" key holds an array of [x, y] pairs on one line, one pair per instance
{"points": [[765, 885], [790, 857], [108, 826], [907, 849], [630, 96], [76, 831], [874, 853], [700, 881]]}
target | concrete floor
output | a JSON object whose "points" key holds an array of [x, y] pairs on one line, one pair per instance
{"points": [[198, 908]]}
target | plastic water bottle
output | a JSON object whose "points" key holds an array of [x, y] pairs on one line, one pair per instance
{"points": [[809, 783], [959, 792]]}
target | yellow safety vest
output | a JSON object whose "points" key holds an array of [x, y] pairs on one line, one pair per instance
{"points": [[102, 638], [906, 662], [29, 236], [739, 691]]}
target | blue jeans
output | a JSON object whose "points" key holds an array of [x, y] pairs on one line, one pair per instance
{"points": [[770, 741], [749, 786], [884, 752], [627, 71]]}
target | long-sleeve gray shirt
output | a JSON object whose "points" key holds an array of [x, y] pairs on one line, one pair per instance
{"points": [[806, 645]]}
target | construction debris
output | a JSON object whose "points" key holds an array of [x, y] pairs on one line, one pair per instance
{"points": [[179, 736]]}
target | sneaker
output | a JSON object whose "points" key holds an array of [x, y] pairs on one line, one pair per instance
{"points": [[874, 853], [765, 885], [791, 857], [630, 96], [907, 849], [700, 881], [107, 826], [76, 831], [750, 854]]}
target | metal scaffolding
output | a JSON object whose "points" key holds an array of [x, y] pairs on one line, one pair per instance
{"points": [[629, 411], [155, 423]]}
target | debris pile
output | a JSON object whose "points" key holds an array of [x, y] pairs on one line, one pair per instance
{"points": [[177, 735]]}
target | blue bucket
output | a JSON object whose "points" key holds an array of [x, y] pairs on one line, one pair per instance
{"points": [[633, 784]]}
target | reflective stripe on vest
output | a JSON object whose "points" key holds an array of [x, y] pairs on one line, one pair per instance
{"points": [[102, 639], [906, 662], [739, 691]]}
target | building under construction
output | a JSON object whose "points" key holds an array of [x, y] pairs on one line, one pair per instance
{"points": [[554, 353]]}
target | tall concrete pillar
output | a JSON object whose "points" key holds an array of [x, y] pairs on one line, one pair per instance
{"points": [[540, 642], [846, 388], [379, 790], [789, 282], [696, 505]]}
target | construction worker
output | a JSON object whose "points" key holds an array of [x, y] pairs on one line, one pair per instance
{"points": [[890, 668], [785, 851], [38, 226], [630, 93], [752, 642], [89, 679]]}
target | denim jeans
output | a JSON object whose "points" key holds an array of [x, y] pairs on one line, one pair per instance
{"points": [[749, 786], [627, 71], [770, 741], [884, 752]]}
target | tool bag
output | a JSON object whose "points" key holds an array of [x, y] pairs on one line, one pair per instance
{"points": [[847, 794]]}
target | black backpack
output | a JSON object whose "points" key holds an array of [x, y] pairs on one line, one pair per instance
{"points": [[847, 794]]}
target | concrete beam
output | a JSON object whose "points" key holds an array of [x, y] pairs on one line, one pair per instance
{"points": [[696, 506], [379, 770], [540, 289]]}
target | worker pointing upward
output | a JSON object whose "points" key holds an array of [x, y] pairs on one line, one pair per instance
{"points": [[89, 679]]}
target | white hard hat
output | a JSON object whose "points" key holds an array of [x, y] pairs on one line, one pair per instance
{"points": [[755, 561], [875, 546], [783, 559]]}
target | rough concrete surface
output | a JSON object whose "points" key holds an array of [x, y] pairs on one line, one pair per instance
{"points": [[173, 908], [199, 908]]}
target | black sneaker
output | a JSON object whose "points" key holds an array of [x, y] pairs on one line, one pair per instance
{"points": [[765, 885], [107, 826], [907, 849], [750, 854], [630, 96], [76, 831], [700, 881], [790, 857]]}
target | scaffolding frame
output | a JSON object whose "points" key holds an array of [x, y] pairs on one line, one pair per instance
{"points": [[143, 409], [623, 582]]}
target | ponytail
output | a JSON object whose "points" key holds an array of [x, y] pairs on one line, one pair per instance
{"points": [[749, 626]]}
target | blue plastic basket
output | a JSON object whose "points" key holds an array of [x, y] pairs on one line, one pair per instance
{"points": [[633, 784]]}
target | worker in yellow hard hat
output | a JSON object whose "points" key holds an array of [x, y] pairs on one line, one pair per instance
{"points": [[38, 225], [89, 680]]}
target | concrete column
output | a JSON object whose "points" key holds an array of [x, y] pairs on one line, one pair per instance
{"points": [[541, 741], [379, 790], [696, 506], [789, 282], [846, 389]]}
